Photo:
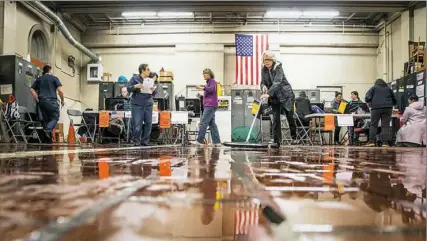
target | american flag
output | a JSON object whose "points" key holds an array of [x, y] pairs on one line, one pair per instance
{"points": [[249, 50], [245, 217]]}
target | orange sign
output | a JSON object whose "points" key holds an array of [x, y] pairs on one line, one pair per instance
{"points": [[104, 119], [165, 166], [103, 170], [329, 122], [165, 119]]}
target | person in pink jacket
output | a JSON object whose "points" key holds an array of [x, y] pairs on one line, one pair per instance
{"points": [[413, 132]]}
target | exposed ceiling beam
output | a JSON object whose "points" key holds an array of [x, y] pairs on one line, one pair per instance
{"points": [[114, 7]]}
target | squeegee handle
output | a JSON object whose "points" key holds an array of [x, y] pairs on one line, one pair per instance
{"points": [[253, 122]]}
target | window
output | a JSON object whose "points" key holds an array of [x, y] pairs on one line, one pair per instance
{"points": [[39, 46]]}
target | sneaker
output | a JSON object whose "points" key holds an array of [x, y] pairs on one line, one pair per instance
{"points": [[196, 143], [275, 145]]}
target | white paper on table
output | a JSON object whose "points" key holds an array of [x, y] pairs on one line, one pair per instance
{"points": [[148, 84], [345, 120], [179, 117]]}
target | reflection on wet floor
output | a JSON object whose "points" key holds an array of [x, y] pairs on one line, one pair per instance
{"points": [[175, 193]]}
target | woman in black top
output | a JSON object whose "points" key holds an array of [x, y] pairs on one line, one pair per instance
{"points": [[381, 100]]}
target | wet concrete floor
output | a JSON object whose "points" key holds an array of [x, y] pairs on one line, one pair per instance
{"points": [[176, 193]]}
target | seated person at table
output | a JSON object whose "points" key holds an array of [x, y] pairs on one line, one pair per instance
{"points": [[355, 105], [303, 108], [413, 132], [124, 92]]}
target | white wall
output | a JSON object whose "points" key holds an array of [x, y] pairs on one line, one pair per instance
{"points": [[395, 42], [420, 24], [20, 22], [310, 59]]}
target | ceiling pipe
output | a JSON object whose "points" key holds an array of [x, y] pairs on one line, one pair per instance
{"points": [[57, 20]]}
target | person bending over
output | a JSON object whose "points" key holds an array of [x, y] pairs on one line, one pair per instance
{"points": [[381, 99], [210, 103], [413, 132], [277, 90], [44, 91], [142, 106]]}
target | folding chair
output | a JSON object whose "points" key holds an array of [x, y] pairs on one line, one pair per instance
{"points": [[72, 114], [286, 131], [317, 129], [303, 136], [18, 125]]}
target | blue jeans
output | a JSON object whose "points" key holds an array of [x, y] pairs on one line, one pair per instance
{"points": [[141, 114], [208, 119], [50, 113]]}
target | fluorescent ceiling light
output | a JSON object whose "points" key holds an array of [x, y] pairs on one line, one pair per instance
{"points": [[283, 14], [175, 14], [139, 14], [320, 14]]}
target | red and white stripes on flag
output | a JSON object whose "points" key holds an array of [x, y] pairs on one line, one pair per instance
{"points": [[245, 216], [249, 50]]}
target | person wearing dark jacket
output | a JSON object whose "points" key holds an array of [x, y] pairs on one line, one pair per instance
{"points": [[142, 106], [303, 108], [276, 88], [381, 100]]}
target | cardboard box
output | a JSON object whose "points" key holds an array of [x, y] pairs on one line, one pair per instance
{"points": [[166, 74], [165, 78], [59, 133]]}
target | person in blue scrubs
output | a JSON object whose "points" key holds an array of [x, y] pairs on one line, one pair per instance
{"points": [[142, 106], [44, 91]]}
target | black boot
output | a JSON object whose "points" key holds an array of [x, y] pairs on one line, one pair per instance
{"points": [[48, 135]]}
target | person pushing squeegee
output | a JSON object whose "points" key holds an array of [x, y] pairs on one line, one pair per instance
{"points": [[278, 93]]}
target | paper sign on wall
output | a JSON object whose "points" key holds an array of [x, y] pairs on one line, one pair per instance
{"points": [[6, 89], [420, 91]]}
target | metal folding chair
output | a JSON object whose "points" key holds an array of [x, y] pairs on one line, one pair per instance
{"points": [[303, 136], [286, 131], [74, 114], [18, 126]]}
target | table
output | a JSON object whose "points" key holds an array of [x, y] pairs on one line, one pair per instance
{"points": [[355, 116]]}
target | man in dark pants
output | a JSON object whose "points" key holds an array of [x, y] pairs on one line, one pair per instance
{"points": [[142, 106], [44, 92], [381, 99], [278, 91]]}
